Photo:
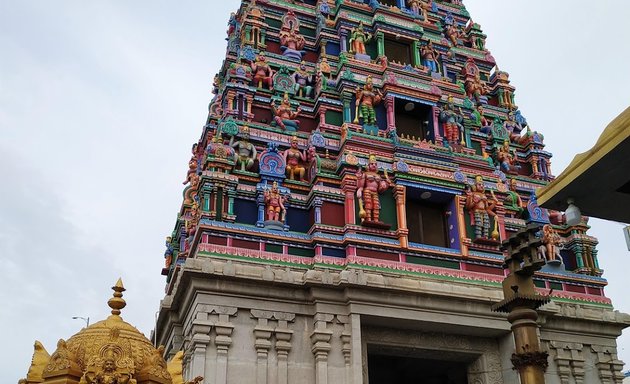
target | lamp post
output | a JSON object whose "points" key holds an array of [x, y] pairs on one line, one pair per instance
{"points": [[86, 319]]}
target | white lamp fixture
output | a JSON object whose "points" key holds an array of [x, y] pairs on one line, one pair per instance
{"points": [[410, 106], [573, 214], [626, 232]]}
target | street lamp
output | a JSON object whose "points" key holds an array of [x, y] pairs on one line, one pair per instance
{"points": [[86, 319]]}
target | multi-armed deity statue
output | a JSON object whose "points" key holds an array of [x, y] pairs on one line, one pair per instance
{"points": [[358, 39], [481, 208], [370, 184]]}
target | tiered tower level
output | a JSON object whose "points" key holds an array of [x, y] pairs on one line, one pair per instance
{"points": [[359, 168]]}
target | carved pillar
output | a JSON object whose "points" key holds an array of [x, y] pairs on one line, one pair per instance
{"points": [[391, 115], [343, 38], [262, 343], [231, 193], [607, 364], [283, 345], [320, 338], [260, 201], [380, 43], [317, 203], [349, 187], [463, 240], [223, 341], [577, 363], [562, 357], [346, 346], [417, 62], [357, 348], [400, 194], [347, 112], [435, 112], [206, 201]]}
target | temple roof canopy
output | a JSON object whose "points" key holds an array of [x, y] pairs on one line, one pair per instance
{"points": [[597, 180]]}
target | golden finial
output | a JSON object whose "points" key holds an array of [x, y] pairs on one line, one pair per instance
{"points": [[117, 303], [372, 159]]}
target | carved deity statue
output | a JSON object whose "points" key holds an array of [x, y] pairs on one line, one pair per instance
{"points": [[303, 81], [451, 122], [507, 158], [291, 40], [274, 203], [245, 152], [262, 71], [430, 57], [358, 39], [193, 164], [475, 88], [168, 253], [513, 199], [370, 184], [108, 374], [453, 33], [367, 98], [480, 121], [295, 159], [418, 7], [284, 116], [551, 241], [481, 208]]}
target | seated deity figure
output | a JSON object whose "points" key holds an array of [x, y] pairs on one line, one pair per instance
{"points": [[370, 184], [295, 160], [284, 116], [358, 39], [108, 374], [303, 80], [430, 57], [475, 88], [480, 208], [419, 7], [453, 33], [245, 152], [274, 203], [481, 123], [366, 99], [507, 158], [263, 75]]}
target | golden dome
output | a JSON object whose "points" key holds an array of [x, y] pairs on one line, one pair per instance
{"points": [[111, 350]]}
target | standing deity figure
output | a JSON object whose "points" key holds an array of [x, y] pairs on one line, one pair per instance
{"points": [[284, 116], [451, 122], [262, 71], [168, 253], [358, 39], [370, 184], [295, 159], [475, 88], [291, 40], [245, 152], [367, 98], [233, 24], [303, 80], [481, 208], [507, 158], [418, 7], [551, 244], [274, 204], [430, 57]]}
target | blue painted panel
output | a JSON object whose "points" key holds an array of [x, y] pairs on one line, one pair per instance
{"points": [[246, 211]]}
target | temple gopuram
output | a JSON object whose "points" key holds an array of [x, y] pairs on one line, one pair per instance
{"points": [[347, 205]]}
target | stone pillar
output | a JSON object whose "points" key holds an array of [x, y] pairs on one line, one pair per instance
{"points": [[223, 341], [346, 346], [283, 345], [317, 203], [391, 115], [607, 364], [400, 194], [320, 338], [343, 39], [357, 347], [262, 343]]}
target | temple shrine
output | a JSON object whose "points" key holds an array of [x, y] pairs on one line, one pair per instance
{"points": [[345, 207]]}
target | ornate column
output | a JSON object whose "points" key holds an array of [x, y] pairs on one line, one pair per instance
{"points": [[346, 345], [317, 203], [400, 194], [343, 39], [283, 345], [521, 301], [347, 112], [380, 44], [320, 338], [262, 343], [391, 116], [417, 61], [224, 329], [608, 365]]}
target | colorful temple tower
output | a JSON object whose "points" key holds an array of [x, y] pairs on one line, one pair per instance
{"points": [[345, 206]]}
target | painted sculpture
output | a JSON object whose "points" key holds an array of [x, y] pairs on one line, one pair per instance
{"points": [[507, 158], [475, 88], [245, 152], [295, 160], [513, 200], [452, 123], [370, 184], [291, 40], [481, 208], [358, 39], [263, 75], [453, 33], [274, 204], [303, 81], [419, 7], [430, 57], [367, 98], [285, 116], [550, 250], [168, 253]]}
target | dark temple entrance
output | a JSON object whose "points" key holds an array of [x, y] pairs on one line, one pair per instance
{"points": [[387, 369]]}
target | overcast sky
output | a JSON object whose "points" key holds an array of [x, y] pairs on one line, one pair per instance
{"points": [[101, 101]]}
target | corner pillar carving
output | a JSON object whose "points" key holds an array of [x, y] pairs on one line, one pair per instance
{"points": [[320, 339]]}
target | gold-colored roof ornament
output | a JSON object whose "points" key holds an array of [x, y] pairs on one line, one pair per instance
{"points": [[109, 351]]}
